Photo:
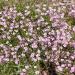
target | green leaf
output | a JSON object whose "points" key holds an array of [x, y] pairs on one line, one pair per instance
{"points": [[9, 68], [71, 21], [1, 4], [47, 19], [20, 7], [14, 41], [3, 41], [33, 14], [23, 33], [19, 52], [18, 18]]}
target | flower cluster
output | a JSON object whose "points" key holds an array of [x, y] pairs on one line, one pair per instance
{"points": [[37, 34]]}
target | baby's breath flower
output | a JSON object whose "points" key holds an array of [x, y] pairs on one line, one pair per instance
{"points": [[37, 72]]}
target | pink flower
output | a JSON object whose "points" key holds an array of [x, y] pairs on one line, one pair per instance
{"points": [[34, 45], [16, 61], [74, 28], [59, 69], [72, 69], [73, 44], [22, 73]]}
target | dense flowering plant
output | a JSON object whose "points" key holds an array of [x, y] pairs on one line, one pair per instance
{"points": [[38, 36]]}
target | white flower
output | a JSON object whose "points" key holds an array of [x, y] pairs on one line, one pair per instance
{"points": [[26, 67], [27, 13], [7, 42], [37, 72], [54, 48], [19, 37], [24, 70], [16, 61], [59, 69], [35, 66], [26, 49], [38, 10], [27, 7], [74, 28]]}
